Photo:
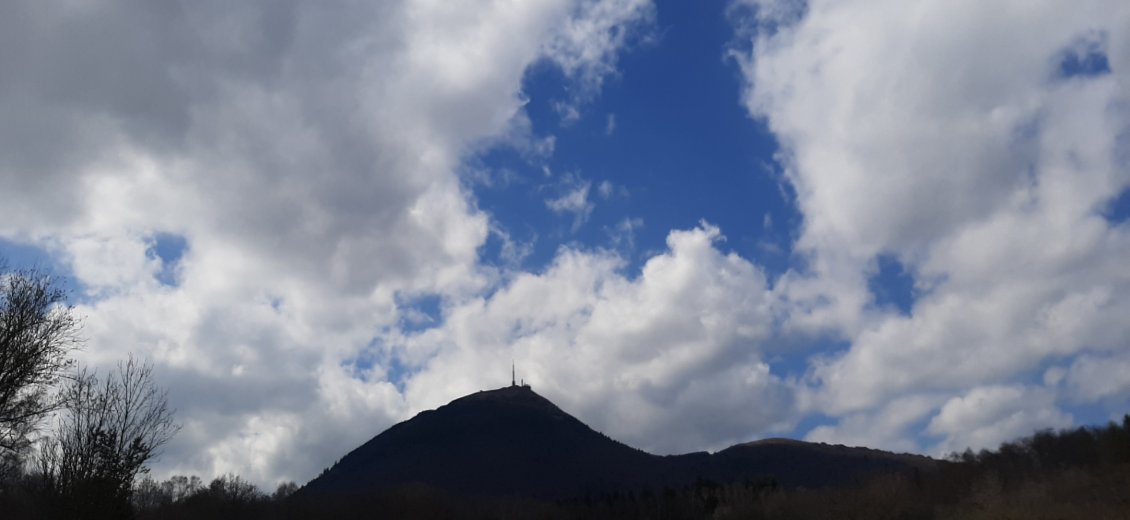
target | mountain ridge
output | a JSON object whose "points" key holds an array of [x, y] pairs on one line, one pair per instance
{"points": [[512, 441]]}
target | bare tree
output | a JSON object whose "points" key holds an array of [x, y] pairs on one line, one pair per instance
{"points": [[180, 487], [233, 489], [284, 490], [109, 428], [37, 334]]}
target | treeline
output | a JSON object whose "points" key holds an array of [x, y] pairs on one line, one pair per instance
{"points": [[29, 495], [1067, 474], [227, 496], [1051, 451]]}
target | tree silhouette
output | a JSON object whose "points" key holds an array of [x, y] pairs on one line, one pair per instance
{"points": [[37, 333], [108, 430]]}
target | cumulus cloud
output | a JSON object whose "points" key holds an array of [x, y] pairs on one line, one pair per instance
{"points": [[886, 427], [306, 155], [670, 360], [952, 137], [308, 158], [1094, 378], [987, 416]]}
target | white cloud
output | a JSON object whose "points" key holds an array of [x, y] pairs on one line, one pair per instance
{"points": [[520, 136], [942, 133], [573, 200], [623, 235], [587, 47], [670, 360], [307, 154], [1094, 378], [606, 189], [885, 428], [986, 416]]}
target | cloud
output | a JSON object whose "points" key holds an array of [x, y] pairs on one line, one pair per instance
{"points": [[623, 234], [574, 200], [306, 155], [996, 414], [1094, 378], [886, 427], [520, 137], [945, 135], [606, 189], [587, 47], [670, 360]]}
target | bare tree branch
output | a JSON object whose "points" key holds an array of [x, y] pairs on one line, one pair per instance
{"points": [[108, 430], [38, 331]]}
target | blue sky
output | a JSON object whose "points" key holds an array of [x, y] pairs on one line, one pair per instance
{"points": [[668, 133], [690, 224]]}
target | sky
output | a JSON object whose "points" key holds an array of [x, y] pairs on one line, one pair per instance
{"points": [[689, 224]]}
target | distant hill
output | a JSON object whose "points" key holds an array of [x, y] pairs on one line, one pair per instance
{"points": [[514, 442], [811, 465]]}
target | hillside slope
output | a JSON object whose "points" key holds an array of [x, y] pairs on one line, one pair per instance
{"points": [[512, 441]]}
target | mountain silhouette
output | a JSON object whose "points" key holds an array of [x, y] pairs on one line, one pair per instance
{"points": [[514, 442]]}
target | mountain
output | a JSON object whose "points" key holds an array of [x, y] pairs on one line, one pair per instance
{"points": [[795, 463], [506, 441], [512, 441]]}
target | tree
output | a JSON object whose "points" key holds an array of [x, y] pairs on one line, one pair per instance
{"points": [[234, 489], [109, 428], [180, 487], [284, 490], [151, 496], [37, 334]]}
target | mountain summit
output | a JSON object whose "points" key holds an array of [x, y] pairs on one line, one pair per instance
{"points": [[512, 441], [505, 441]]}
